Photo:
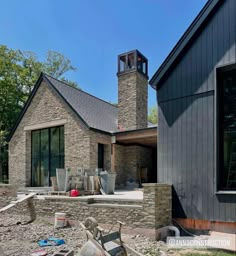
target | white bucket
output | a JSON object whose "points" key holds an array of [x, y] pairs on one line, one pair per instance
{"points": [[60, 220]]}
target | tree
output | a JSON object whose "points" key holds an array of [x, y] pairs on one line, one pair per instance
{"points": [[57, 65], [19, 70], [153, 115]]}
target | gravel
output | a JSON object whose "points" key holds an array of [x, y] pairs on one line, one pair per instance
{"points": [[19, 239]]}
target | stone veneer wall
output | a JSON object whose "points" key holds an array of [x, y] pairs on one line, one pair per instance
{"points": [[129, 160], [151, 214], [47, 106], [132, 100], [81, 144], [104, 139]]}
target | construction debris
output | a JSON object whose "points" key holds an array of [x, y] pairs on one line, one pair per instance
{"points": [[51, 241], [18, 240], [100, 243], [39, 253], [64, 253]]}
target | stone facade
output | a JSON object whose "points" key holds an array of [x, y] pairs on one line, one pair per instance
{"points": [[80, 142], [132, 101], [157, 201], [129, 160], [132, 114], [104, 139]]}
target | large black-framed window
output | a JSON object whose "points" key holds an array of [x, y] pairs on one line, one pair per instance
{"points": [[47, 154], [226, 132]]}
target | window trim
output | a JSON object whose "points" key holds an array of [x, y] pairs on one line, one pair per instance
{"points": [[217, 189]]}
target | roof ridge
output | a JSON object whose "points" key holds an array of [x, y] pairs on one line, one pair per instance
{"points": [[79, 90]]}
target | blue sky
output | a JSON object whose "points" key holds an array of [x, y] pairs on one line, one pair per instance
{"points": [[91, 33]]}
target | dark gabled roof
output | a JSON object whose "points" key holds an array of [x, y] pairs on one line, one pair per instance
{"points": [[183, 42], [96, 113]]}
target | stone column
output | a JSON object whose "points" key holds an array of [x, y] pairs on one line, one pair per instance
{"points": [[157, 204]]}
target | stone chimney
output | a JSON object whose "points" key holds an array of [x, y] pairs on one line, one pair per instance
{"points": [[132, 90]]}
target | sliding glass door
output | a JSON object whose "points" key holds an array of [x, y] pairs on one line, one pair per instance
{"points": [[47, 154]]}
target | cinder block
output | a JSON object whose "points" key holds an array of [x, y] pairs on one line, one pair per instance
{"points": [[64, 253]]}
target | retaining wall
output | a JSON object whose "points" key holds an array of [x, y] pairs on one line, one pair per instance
{"points": [[145, 216]]}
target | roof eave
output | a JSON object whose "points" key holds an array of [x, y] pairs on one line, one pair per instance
{"points": [[28, 102], [183, 42]]}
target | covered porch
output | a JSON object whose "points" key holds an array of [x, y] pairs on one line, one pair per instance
{"points": [[134, 156]]}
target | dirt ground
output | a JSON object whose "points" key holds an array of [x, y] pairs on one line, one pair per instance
{"points": [[17, 239]]}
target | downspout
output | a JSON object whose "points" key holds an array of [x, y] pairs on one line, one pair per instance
{"points": [[175, 229]]}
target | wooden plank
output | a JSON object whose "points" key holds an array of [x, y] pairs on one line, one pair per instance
{"points": [[17, 202], [205, 148], [137, 134], [198, 158], [184, 159], [210, 176], [26, 197], [164, 145], [7, 207], [160, 144]]}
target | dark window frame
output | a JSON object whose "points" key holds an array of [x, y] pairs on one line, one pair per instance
{"points": [[49, 129], [101, 155], [220, 72]]}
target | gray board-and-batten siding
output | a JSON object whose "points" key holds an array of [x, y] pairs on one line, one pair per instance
{"points": [[187, 120]]}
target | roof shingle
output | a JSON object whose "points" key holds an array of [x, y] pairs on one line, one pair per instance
{"points": [[95, 112]]}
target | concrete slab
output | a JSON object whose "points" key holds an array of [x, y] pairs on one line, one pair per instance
{"points": [[123, 194], [230, 240], [119, 194]]}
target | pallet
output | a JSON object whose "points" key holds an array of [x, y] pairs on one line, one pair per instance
{"points": [[89, 192], [59, 193]]}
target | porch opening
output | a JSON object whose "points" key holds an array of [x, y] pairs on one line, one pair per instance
{"points": [[134, 156]]}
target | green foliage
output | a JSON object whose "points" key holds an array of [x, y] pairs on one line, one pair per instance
{"points": [[152, 115], [18, 73], [19, 70], [57, 65]]}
